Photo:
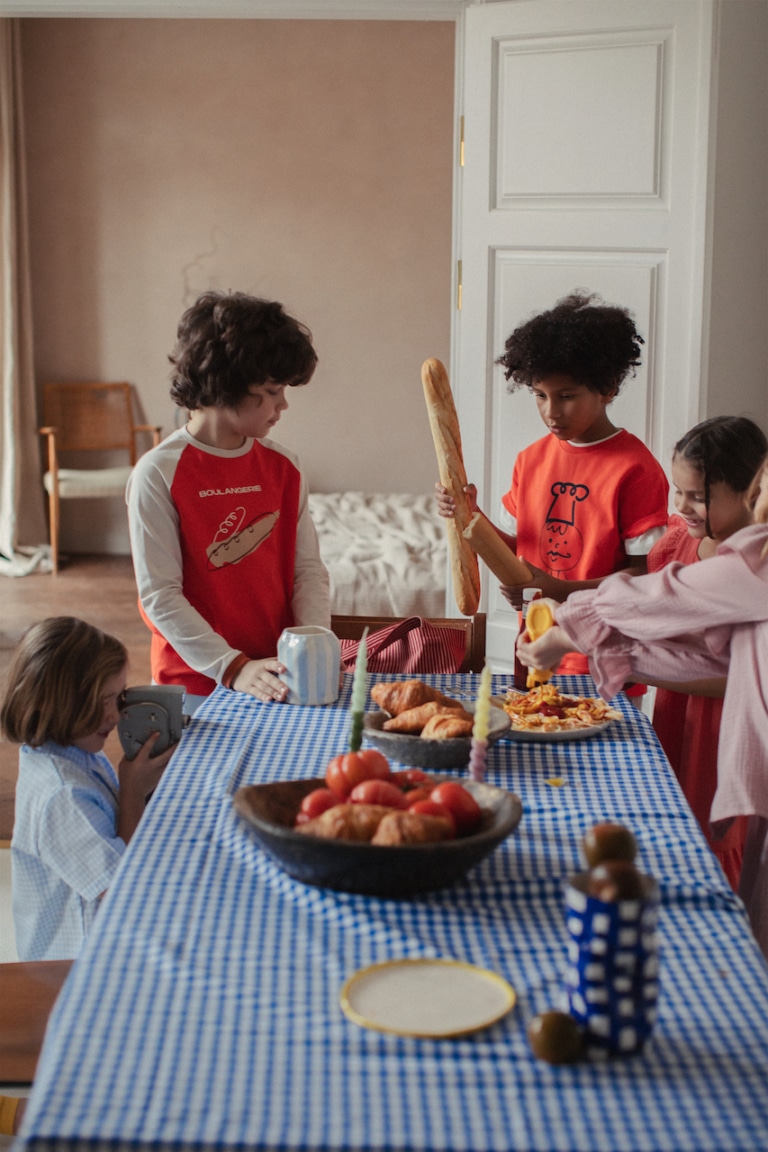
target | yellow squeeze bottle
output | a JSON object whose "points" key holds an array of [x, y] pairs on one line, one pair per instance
{"points": [[538, 619]]}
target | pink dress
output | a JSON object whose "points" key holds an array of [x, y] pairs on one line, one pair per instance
{"points": [[694, 621], [688, 727]]}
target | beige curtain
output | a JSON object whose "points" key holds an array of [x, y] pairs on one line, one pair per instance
{"points": [[22, 515]]}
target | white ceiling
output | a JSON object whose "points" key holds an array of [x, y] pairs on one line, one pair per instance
{"points": [[244, 9]]}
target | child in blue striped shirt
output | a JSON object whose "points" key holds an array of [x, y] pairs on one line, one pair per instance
{"points": [[74, 813]]}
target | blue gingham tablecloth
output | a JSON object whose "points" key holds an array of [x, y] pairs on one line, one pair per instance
{"points": [[204, 1009]]}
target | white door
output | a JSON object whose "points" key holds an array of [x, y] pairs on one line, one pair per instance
{"points": [[586, 127]]}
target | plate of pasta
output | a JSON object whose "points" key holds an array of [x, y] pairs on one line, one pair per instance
{"points": [[543, 714]]}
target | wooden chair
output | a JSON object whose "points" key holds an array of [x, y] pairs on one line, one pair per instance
{"points": [[87, 418], [28, 991], [473, 627]]}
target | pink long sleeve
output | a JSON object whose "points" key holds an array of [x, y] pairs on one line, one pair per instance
{"points": [[717, 615], [677, 623]]}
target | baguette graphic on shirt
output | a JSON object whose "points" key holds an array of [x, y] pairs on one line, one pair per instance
{"points": [[231, 544]]}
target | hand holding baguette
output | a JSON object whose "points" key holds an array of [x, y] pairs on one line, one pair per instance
{"points": [[447, 440], [490, 547]]}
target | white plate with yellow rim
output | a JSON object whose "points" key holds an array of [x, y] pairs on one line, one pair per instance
{"points": [[429, 999]]}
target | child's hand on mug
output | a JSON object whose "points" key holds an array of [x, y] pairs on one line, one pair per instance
{"points": [[260, 678]]}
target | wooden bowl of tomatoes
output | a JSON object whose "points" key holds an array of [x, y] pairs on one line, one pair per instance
{"points": [[421, 752], [480, 815]]}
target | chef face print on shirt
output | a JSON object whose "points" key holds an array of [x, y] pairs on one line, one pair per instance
{"points": [[577, 413], [561, 542]]}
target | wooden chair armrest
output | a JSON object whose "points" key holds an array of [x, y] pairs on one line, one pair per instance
{"points": [[53, 456]]}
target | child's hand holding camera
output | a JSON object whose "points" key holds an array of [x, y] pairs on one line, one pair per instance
{"points": [[138, 779]]}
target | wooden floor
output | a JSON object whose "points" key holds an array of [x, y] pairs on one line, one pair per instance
{"points": [[99, 589]]}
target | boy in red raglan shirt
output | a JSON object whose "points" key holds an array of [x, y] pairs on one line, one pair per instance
{"points": [[224, 550], [588, 499]]}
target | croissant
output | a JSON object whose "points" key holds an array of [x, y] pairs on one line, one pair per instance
{"points": [[346, 822], [400, 695], [447, 726], [412, 828], [415, 719]]}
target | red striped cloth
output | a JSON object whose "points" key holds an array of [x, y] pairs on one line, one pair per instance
{"points": [[412, 645]]}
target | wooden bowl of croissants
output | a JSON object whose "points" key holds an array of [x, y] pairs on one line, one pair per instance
{"points": [[346, 863], [419, 726]]}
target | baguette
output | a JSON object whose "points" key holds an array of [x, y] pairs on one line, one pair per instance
{"points": [[501, 560], [447, 439]]}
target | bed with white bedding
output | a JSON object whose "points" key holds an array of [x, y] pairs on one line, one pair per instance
{"points": [[386, 552]]}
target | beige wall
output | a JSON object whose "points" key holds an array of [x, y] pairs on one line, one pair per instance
{"points": [[308, 161]]}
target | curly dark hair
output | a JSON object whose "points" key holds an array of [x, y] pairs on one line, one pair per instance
{"points": [[595, 344], [727, 449], [56, 681], [227, 342]]}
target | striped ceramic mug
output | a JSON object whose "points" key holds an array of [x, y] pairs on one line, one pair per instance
{"points": [[312, 659]]}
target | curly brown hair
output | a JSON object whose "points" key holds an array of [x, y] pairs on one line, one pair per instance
{"points": [[596, 344], [56, 682], [227, 343]]}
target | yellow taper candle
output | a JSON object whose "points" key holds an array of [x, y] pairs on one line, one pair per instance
{"points": [[483, 706]]}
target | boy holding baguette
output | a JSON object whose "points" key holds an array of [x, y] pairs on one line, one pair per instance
{"points": [[224, 550], [588, 499]]}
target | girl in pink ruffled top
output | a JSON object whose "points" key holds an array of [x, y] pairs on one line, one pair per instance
{"points": [[712, 468], [690, 622]]}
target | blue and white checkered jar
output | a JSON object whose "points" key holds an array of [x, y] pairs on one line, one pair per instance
{"points": [[612, 976], [312, 659]]}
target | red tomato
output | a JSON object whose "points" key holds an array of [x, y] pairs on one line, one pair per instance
{"points": [[351, 768], [378, 792], [432, 808], [461, 803], [410, 778], [413, 795], [318, 801]]}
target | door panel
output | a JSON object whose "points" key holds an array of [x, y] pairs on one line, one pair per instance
{"points": [[585, 149], [571, 180]]}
